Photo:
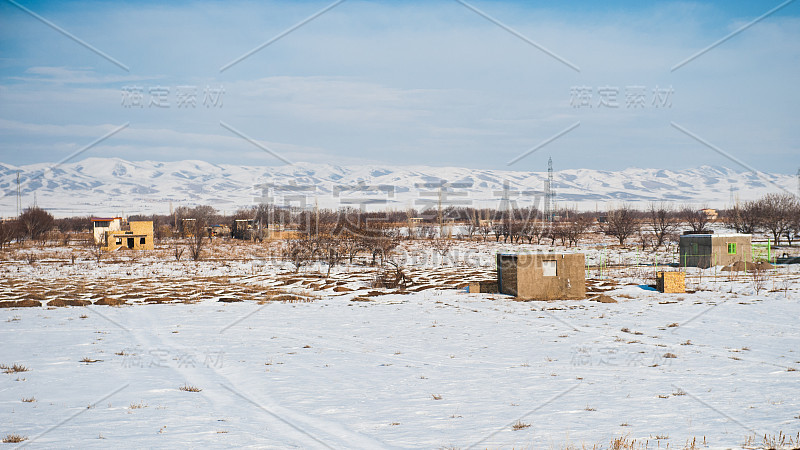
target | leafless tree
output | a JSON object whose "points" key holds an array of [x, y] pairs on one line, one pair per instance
{"points": [[35, 223], [576, 228], [299, 252], [745, 217], [621, 223], [201, 216], [485, 230], [776, 214], [442, 246], [9, 230], [662, 222], [645, 239], [695, 218], [795, 229], [473, 225], [759, 279], [381, 241], [330, 249], [534, 230], [500, 229]]}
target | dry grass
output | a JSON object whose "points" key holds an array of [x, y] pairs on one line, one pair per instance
{"points": [[139, 405], [14, 439], [88, 360], [519, 425], [767, 441], [15, 368], [670, 355], [28, 399], [190, 388], [436, 396]]}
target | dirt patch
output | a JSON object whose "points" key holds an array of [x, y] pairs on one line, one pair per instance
{"points": [[288, 298], [110, 301], [20, 304], [742, 266], [60, 302], [229, 300], [602, 298], [341, 289]]}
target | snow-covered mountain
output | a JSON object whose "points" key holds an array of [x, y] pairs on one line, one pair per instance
{"points": [[112, 186]]}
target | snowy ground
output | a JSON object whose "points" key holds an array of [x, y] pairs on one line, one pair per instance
{"points": [[347, 367]]}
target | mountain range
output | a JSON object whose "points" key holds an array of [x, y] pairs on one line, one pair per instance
{"points": [[113, 186]]}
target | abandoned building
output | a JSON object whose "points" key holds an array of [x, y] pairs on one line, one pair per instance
{"points": [[111, 234], [706, 250], [102, 225], [247, 229], [542, 276]]}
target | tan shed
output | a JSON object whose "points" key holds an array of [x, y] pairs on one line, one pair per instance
{"points": [[542, 276], [671, 282], [706, 250]]}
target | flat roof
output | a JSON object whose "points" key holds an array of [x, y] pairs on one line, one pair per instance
{"points": [[718, 235], [537, 253], [102, 219]]}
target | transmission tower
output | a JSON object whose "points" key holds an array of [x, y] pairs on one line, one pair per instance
{"points": [[19, 196], [548, 191]]}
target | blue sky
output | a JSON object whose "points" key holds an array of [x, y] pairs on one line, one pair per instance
{"points": [[405, 83]]}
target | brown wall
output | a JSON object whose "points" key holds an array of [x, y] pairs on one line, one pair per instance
{"points": [[138, 230], [712, 250], [526, 279]]}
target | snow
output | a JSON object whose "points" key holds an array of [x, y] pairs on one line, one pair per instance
{"points": [[335, 372], [113, 186]]}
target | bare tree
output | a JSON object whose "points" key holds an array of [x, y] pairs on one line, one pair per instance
{"points": [[330, 249], [662, 222], [200, 216], [9, 230], [473, 225], [695, 218], [442, 246], [795, 229], [776, 214], [299, 252], [35, 223], [621, 223], [744, 218], [645, 239], [485, 230], [576, 228]]}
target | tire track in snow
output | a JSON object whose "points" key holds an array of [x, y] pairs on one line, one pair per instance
{"points": [[306, 430]]}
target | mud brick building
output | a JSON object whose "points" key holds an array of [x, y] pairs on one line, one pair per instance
{"points": [[706, 250], [542, 276]]}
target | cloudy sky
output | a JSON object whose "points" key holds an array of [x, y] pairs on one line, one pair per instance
{"points": [[501, 85]]}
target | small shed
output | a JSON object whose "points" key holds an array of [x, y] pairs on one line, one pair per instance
{"points": [[542, 276], [671, 282], [706, 250]]}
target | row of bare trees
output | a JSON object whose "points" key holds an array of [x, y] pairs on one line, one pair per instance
{"points": [[777, 214], [33, 224], [332, 243]]}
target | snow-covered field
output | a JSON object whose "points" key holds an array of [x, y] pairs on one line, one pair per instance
{"points": [[346, 365]]}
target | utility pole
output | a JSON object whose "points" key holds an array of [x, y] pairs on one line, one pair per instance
{"points": [[441, 225], [548, 191], [19, 196]]}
